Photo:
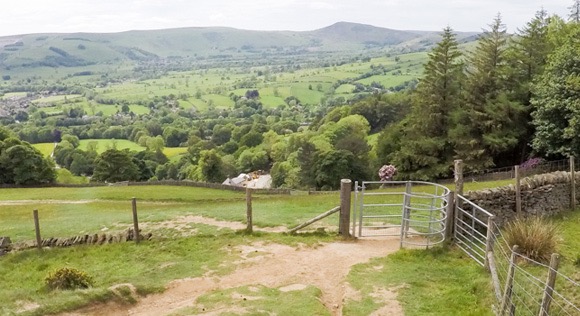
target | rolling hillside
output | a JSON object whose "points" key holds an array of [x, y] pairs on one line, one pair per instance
{"points": [[200, 43]]}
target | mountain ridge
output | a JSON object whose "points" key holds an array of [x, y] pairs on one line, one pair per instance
{"points": [[82, 48]]}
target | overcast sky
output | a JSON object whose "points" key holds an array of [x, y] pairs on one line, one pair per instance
{"points": [[45, 16]]}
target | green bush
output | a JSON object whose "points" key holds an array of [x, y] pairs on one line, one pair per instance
{"points": [[68, 279], [536, 237]]}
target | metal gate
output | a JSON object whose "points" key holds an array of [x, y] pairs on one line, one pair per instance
{"points": [[473, 229], [415, 211]]}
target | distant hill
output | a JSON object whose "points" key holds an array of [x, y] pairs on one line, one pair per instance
{"points": [[81, 49]]}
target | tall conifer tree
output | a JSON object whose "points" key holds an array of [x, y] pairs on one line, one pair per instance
{"points": [[486, 125], [426, 153]]}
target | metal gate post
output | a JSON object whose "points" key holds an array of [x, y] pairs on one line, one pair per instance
{"points": [[406, 213], [356, 193], [362, 195]]}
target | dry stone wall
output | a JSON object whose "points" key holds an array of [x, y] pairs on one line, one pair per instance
{"points": [[544, 195]]}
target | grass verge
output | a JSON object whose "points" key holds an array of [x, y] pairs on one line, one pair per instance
{"points": [[438, 281]]}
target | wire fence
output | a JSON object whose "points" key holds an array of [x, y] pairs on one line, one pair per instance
{"points": [[526, 169], [524, 286]]}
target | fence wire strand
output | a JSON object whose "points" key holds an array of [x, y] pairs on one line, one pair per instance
{"points": [[529, 283]]}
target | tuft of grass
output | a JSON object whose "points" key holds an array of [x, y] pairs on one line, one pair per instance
{"points": [[536, 237], [68, 279]]}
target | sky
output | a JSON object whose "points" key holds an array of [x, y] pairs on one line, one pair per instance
{"points": [[68, 16]]}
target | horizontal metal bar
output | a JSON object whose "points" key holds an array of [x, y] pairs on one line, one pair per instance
{"points": [[474, 205], [381, 216], [465, 239], [378, 205], [472, 217], [470, 255], [472, 229]]}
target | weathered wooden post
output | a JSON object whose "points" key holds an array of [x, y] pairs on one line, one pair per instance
{"points": [[572, 184], [489, 241], [506, 301], [518, 191], [249, 227], [344, 222], [458, 177], [550, 282], [37, 229], [135, 220]]}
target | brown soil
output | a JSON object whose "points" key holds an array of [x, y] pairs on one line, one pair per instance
{"points": [[277, 266]]}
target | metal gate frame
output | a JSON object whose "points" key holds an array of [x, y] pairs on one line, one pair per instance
{"points": [[421, 214], [472, 229]]}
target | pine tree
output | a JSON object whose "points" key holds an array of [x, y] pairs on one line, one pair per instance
{"points": [[426, 152], [486, 125]]}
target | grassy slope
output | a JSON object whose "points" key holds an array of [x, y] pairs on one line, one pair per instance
{"points": [[435, 282]]}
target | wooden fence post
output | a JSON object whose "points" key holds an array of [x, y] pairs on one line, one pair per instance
{"points": [[507, 294], [135, 220], [572, 184], [518, 191], [489, 241], [458, 177], [249, 228], [550, 282], [494, 275], [344, 223], [37, 229]]}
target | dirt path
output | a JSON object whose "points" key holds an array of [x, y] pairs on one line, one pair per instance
{"points": [[275, 266]]}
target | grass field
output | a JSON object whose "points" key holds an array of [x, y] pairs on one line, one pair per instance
{"points": [[440, 281], [104, 144], [45, 148]]}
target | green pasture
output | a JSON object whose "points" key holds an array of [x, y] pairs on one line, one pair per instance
{"points": [[104, 144], [90, 209], [13, 95], [74, 211], [57, 98], [345, 89], [172, 152], [45, 148]]}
